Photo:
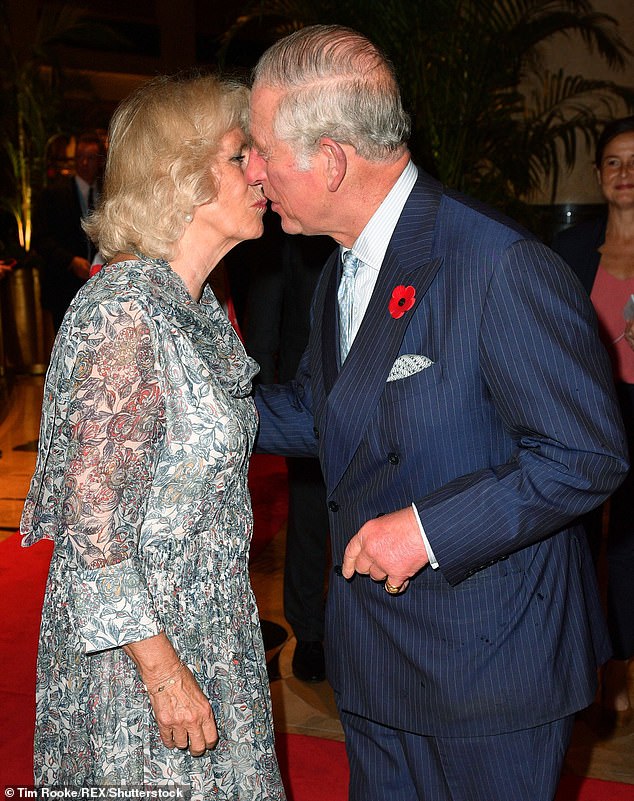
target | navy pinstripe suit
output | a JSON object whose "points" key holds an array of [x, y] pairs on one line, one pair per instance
{"points": [[510, 434]]}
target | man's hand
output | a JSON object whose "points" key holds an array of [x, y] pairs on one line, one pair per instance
{"points": [[389, 547]]}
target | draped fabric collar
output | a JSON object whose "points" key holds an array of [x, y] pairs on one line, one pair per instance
{"points": [[204, 322]]}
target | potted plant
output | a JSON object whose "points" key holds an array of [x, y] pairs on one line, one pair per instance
{"points": [[31, 103]]}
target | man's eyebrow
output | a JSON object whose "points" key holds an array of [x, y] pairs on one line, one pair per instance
{"points": [[258, 146]]}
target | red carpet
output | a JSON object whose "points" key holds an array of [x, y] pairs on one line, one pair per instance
{"points": [[314, 769], [22, 579]]}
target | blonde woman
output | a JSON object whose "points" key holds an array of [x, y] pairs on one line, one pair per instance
{"points": [[151, 668]]}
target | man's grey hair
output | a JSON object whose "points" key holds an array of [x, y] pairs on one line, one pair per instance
{"points": [[337, 84]]}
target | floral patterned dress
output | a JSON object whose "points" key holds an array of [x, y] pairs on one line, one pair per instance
{"points": [[141, 481]]}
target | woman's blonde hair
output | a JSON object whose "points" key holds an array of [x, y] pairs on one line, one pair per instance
{"points": [[162, 143]]}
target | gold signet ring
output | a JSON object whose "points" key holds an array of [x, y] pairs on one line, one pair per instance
{"points": [[391, 588]]}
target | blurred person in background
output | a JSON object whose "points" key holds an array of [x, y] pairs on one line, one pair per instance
{"points": [[278, 325], [601, 252], [65, 250]]}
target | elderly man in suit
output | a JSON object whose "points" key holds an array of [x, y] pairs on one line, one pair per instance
{"points": [[462, 408]]}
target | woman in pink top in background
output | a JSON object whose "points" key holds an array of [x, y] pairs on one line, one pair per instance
{"points": [[601, 252]]}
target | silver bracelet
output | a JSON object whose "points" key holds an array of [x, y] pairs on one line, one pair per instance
{"points": [[170, 681]]}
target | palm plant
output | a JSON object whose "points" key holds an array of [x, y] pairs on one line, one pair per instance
{"points": [[26, 104], [487, 119], [31, 97]]}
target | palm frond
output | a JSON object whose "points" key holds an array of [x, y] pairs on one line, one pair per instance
{"points": [[486, 118]]}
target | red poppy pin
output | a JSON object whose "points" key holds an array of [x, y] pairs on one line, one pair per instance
{"points": [[402, 300]]}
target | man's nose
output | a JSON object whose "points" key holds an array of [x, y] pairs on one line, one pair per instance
{"points": [[255, 172]]}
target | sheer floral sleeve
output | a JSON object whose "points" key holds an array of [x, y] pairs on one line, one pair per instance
{"points": [[114, 425]]}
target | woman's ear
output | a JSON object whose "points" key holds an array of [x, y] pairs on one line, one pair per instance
{"points": [[336, 162]]}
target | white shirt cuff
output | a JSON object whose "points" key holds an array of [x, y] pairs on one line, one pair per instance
{"points": [[430, 553]]}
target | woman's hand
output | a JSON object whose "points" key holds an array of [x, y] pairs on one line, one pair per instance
{"points": [[182, 711], [184, 715]]}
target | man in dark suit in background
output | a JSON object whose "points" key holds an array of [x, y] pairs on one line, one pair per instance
{"points": [[65, 250], [463, 411], [276, 334]]}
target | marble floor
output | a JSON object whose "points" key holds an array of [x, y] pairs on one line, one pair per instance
{"points": [[298, 707]]}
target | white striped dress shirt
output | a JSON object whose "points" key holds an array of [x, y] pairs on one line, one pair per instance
{"points": [[372, 242]]}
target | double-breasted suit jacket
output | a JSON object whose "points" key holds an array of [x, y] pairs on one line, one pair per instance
{"points": [[508, 434]]}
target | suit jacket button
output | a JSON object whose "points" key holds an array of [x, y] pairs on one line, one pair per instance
{"points": [[333, 506], [393, 458], [316, 432]]}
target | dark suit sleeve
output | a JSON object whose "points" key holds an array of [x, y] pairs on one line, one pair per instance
{"points": [[287, 425], [286, 410], [286, 417], [550, 382]]}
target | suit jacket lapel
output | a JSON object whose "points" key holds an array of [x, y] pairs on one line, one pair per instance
{"points": [[330, 324], [353, 396]]}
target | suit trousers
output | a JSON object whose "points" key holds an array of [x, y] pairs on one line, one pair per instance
{"points": [[388, 763]]}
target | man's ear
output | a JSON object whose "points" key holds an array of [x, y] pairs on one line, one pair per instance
{"points": [[336, 162]]}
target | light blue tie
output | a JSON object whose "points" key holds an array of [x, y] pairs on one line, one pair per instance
{"points": [[345, 296]]}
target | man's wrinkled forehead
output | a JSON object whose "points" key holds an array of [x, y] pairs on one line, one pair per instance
{"points": [[264, 103], [262, 110]]}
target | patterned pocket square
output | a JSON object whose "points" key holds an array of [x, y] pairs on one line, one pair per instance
{"points": [[408, 364]]}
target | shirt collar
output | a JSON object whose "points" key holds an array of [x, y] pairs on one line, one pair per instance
{"points": [[372, 242], [84, 186]]}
